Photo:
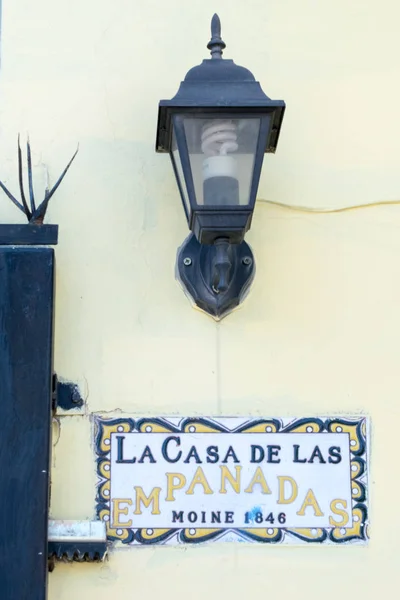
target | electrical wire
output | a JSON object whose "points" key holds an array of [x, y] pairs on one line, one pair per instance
{"points": [[310, 209]]}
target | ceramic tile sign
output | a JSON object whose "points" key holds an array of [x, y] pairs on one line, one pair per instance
{"points": [[192, 480]]}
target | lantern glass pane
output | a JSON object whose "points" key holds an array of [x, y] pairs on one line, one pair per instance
{"points": [[222, 154], [177, 164]]}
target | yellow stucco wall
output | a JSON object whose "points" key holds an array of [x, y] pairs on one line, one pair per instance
{"points": [[320, 330]]}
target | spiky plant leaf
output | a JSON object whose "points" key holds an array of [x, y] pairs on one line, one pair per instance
{"points": [[5, 190], [30, 179], [21, 182], [38, 215]]}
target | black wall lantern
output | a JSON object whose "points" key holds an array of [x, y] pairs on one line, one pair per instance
{"points": [[216, 130]]}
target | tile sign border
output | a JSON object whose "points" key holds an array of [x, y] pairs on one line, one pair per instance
{"points": [[358, 434]]}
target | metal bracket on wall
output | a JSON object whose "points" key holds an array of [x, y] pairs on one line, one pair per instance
{"points": [[217, 276], [80, 541], [66, 395]]}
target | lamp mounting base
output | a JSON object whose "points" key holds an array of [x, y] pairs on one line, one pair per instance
{"points": [[216, 277]]}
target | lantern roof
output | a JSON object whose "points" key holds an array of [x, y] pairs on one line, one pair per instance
{"points": [[218, 85]]}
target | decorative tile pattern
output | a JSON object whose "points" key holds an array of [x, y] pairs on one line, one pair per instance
{"points": [[357, 435]]}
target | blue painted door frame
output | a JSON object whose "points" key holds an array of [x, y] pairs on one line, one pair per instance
{"points": [[26, 368]]}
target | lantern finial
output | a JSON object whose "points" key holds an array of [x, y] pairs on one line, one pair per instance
{"points": [[216, 44]]}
